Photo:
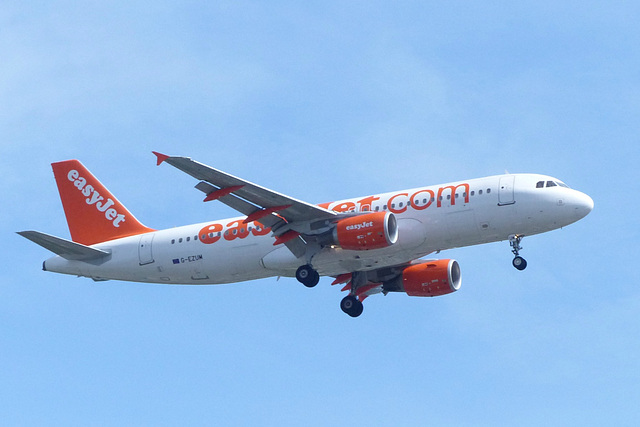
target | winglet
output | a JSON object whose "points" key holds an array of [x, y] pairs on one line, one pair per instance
{"points": [[161, 157]]}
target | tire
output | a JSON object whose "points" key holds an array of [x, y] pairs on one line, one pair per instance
{"points": [[306, 275], [302, 273], [351, 306], [519, 263]]}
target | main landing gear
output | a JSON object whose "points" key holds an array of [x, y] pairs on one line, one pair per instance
{"points": [[307, 275], [351, 305], [518, 262]]}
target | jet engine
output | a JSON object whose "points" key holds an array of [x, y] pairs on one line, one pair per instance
{"points": [[374, 230], [431, 278]]}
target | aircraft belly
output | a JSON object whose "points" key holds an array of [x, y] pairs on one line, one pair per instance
{"points": [[411, 234], [123, 264], [226, 262], [337, 261], [126, 263], [192, 263], [461, 228], [238, 262]]}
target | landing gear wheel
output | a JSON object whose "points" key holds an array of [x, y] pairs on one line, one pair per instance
{"points": [[519, 263], [352, 306], [307, 276]]}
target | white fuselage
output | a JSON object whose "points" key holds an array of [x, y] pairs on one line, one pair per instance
{"points": [[430, 219]]}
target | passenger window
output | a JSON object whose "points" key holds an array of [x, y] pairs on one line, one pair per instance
{"points": [[180, 240], [480, 192], [173, 241], [540, 184], [473, 193], [188, 239], [488, 190], [551, 184]]}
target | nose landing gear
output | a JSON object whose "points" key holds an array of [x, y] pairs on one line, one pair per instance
{"points": [[518, 262]]}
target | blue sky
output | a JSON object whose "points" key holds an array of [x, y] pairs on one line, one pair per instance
{"points": [[322, 101]]}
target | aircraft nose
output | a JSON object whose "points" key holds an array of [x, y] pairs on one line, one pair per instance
{"points": [[583, 204]]}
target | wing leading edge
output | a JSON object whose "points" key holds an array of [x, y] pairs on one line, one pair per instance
{"points": [[258, 203]]}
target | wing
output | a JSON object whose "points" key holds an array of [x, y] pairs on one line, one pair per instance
{"points": [[271, 208]]}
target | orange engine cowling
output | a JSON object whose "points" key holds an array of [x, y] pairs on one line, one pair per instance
{"points": [[374, 230], [432, 278]]}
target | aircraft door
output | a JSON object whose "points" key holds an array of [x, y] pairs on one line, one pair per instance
{"points": [[145, 246], [505, 192]]}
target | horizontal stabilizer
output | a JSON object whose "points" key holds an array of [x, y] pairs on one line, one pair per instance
{"points": [[65, 248]]}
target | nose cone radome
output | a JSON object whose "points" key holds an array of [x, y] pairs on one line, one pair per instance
{"points": [[582, 204]]}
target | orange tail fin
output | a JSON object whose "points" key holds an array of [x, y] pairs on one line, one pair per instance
{"points": [[93, 214]]}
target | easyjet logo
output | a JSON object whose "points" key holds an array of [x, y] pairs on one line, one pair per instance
{"points": [[400, 202], [95, 199], [364, 224]]}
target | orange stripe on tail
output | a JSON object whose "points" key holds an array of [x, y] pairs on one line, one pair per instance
{"points": [[93, 214]]}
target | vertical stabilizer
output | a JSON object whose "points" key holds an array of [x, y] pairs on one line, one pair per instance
{"points": [[93, 214]]}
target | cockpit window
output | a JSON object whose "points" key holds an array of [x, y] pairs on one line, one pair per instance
{"points": [[541, 184]]}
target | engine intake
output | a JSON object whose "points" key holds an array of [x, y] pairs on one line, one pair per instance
{"points": [[374, 230], [432, 278]]}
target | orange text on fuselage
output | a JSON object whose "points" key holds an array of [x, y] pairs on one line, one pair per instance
{"points": [[400, 202], [397, 203]]}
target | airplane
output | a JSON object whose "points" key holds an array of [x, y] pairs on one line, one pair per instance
{"points": [[372, 244]]}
